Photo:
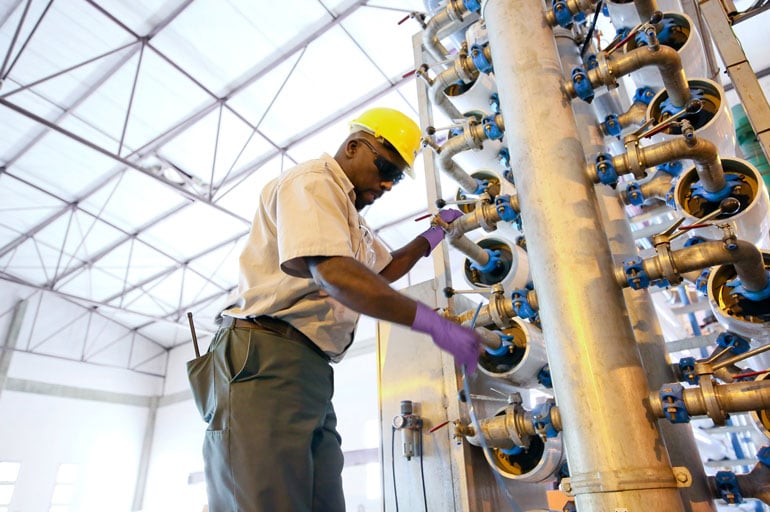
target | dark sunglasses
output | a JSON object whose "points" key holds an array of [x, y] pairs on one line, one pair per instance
{"points": [[387, 169]]}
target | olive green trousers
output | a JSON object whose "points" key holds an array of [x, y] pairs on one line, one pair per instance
{"points": [[271, 443]]}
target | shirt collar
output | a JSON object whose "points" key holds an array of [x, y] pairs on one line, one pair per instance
{"points": [[339, 175]]}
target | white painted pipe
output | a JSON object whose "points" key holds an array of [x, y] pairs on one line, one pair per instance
{"points": [[527, 358]]}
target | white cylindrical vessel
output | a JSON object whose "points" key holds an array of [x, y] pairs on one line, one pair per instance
{"points": [[524, 360], [713, 123], [686, 40], [625, 15], [731, 313], [512, 273], [751, 222], [538, 462], [473, 97]]}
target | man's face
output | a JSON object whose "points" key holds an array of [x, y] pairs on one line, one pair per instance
{"points": [[379, 168]]}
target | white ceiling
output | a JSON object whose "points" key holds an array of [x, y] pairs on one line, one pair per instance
{"points": [[135, 136]]}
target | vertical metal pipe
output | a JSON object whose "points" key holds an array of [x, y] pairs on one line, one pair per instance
{"points": [[679, 439], [616, 457]]}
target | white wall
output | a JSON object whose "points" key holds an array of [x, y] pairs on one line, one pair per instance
{"points": [[103, 439], [178, 437]]}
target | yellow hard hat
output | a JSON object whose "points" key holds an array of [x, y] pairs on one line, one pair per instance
{"points": [[398, 129]]}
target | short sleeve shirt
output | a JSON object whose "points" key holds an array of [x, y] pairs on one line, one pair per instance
{"points": [[307, 211]]}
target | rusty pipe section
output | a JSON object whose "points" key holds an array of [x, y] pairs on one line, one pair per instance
{"points": [[744, 256], [703, 152]]}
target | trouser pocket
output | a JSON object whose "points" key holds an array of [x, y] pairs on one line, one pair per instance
{"points": [[200, 374]]}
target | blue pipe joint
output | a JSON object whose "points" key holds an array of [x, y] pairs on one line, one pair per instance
{"points": [[481, 186], [611, 125], [664, 33], [511, 451], [694, 241], [727, 486], [491, 129], [737, 344], [701, 283], [494, 102], [591, 62], [634, 193], [687, 369], [670, 199], [492, 264], [605, 170], [582, 85], [644, 95], [763, 454], [504, 348], [561, 13], [504, 157], [636, 276], [666, 107], [544, 377], [752, 295], [674, 168], [731, 181], [472, 5], [672, 398], [541, 419], [521, 305], [504, 208], [480, 60]]}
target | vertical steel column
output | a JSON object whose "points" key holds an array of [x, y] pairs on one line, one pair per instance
{"points": [[678, 438], [616, 457]]}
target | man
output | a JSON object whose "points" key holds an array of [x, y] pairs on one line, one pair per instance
{"points": [[309, 268]]}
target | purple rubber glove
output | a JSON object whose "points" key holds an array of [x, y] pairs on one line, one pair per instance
{"points": [[434, 235], [463, 343]]}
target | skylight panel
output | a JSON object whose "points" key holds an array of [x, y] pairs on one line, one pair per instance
{"points": [[222, 42], [193, 230], [23, 207], [221, 135], [118, 200], [336, 82]]}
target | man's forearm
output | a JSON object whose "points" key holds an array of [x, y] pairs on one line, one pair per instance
{"points": [[358, 288]]}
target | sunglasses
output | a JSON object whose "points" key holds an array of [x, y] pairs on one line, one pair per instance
{"points": [[387, 169]]}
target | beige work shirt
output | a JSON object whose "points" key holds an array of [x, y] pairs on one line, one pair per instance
{"points": [[307, 211]]}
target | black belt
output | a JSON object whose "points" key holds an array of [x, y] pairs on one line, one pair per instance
{"points": [[275, 326]]}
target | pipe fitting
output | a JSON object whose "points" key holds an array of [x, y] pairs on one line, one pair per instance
{"points": [[453, 12], [670, 265], [665, 58], [637, 159]]}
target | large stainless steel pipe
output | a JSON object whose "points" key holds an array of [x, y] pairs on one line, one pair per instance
{"points": [[616, 457]]}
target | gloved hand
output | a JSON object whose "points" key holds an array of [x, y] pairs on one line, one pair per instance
{"points": [[463, 343], [434, 235]]}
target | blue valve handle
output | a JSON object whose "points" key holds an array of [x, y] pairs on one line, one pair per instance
{"points": [[492, 264]]}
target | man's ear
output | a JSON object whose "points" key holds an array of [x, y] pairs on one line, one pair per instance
{"points": [[351, 147]]}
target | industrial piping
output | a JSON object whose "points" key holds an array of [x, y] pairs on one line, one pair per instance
{"points": [[610, 468]]}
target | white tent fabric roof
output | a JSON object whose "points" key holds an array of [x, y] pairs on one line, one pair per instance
{"points": [[135, 137]]}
